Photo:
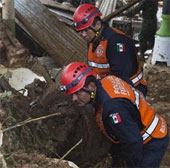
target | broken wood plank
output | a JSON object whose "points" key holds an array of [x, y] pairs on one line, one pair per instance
{"points": [[59, 40], [57, 5], [64, 12]]}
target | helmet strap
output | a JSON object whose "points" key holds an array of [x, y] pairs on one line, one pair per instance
{"points": [[97, 33], [91, 93]]}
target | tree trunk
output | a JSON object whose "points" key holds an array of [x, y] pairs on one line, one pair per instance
{"points": [[8, 14]]}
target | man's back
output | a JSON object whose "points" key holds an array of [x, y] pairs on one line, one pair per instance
{"points": [[149, 9], [121, 55]]}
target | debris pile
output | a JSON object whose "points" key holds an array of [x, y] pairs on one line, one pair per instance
{"points": [[44, 122], [12, 53]]}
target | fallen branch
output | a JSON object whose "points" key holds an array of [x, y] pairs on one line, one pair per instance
{"points": [[78, 143], [30, 120], [2, 161]]}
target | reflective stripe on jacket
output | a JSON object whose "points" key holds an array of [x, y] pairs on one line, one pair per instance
{"points": [[154, 125], [138, 78]]}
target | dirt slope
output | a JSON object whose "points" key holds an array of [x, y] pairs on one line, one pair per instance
{"points": [[158, 78]]}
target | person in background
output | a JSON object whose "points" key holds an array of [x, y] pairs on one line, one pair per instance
{"points": [[147, 33], [122, 114], [109, 50]]}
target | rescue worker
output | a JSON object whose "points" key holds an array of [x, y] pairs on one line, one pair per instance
{"points": [[109, 50], [147, 33], [121, 112]]}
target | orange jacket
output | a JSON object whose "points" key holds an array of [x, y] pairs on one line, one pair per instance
{"points": [[154, 125], [98, 61]]}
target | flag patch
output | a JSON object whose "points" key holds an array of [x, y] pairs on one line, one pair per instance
{"points": [[120, 47], [115, 118]]}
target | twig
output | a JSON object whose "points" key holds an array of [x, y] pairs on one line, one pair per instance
{"points": [[2, 161], [78, 143], [29, 120]]}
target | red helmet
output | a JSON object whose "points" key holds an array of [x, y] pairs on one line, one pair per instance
{"points": [[73, 77], [84, 16]]}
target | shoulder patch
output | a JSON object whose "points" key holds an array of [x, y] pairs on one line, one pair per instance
{"points": [[100, 50], [120, 47], [115, 118]]}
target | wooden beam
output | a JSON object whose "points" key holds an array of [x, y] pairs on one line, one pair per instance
{"points": [[120, 10]]}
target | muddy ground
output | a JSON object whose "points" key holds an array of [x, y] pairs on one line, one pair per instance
{"points": [[41, 143], [158, 78]]}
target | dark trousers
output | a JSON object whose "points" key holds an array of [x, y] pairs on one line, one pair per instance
{"points": [[154, 151]]}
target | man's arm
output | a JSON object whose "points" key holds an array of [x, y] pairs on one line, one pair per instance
{"points": [[119, 123], [121, 55]]}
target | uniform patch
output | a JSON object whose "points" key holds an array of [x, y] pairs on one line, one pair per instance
{"points": [[120, 47], [115, 118], [99, 50]]}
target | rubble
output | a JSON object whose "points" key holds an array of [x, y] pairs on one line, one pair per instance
{"points": [[12, 53], [52, 136]]}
